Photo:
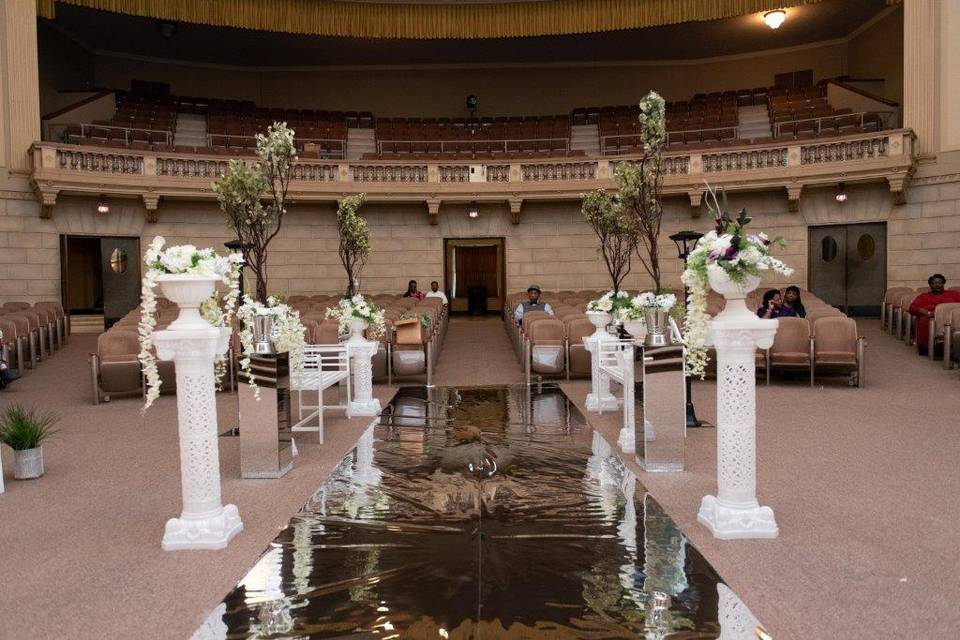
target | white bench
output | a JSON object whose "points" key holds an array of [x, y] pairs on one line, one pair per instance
{"points": [[323, 367]]}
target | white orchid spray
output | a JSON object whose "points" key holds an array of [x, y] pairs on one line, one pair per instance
{"points": [[181, 259], [739, 254]]}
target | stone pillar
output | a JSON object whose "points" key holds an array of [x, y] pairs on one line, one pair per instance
{"points": [[20, 86], [920, 64]]}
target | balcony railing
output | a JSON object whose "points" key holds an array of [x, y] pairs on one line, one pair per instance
{"points": [[884, 155], [470, 145]]}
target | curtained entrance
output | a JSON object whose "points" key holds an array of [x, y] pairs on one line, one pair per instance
{"points": [[471, 263]]}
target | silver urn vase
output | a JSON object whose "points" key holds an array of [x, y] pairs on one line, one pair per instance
{"points": [[262, 332], [656, 328]]}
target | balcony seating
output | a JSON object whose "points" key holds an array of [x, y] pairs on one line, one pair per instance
{"points": [[516, 136], [801, 113]]}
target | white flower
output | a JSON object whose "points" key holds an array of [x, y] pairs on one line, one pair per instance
{"points": [[622, 294]]}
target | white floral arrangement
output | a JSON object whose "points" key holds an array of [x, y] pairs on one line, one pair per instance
{"points": [[183, 259], [288, 333], [358, 308], [610, 302], [728, 247]]}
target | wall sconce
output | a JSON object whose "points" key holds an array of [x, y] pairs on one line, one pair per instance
{"points": [[841, 193], [103, 207], [473, 211]]}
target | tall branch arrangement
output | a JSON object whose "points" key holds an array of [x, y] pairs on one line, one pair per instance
{"points": [[616, 231], [354, 246], [253, 198], [629, 220]]}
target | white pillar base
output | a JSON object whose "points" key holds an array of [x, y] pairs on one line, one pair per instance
{"points": [[211, 531], [627, 440], [369, 407], [737, 522], [597, 402]]}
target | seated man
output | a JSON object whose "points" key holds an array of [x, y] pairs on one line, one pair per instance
{"points": [[436, 293], [922, 308], [533, 304]]}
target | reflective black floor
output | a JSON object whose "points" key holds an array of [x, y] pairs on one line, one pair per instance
{"points": [[477, 513]]}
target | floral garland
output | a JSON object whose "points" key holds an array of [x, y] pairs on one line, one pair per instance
{"points": [[173, 260], [739, 254], [357, 308], [288, 333]]}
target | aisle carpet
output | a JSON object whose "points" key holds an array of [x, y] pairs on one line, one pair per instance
{"points": [[477, 351], [80, 549]]}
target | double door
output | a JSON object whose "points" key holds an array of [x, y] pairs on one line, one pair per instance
{"points": [[848, 266], [100, 275]]}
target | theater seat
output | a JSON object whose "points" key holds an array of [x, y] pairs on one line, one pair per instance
{"points": [[838, 348]]}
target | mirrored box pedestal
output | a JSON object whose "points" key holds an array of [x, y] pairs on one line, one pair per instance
{"points": [[266, 438]]}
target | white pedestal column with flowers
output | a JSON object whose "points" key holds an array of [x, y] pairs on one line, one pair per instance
{"points": [[599, 398], [357, 314], [361, 352], [193, 344], [729, 260], [736, 334]]}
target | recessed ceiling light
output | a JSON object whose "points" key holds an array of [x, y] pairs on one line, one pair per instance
{"points": [[775, 18]]}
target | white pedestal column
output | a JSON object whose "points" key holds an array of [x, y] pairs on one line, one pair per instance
{"points": [[361, 352], [737, 333], [192, 343], [736, 621], [599, 398]]}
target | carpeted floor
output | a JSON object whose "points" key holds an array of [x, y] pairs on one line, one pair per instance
{"points": [[863, 482], [80, 549], [866, 492], [477, 351]]}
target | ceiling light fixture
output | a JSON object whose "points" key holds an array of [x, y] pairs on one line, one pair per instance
{"points": [[841, 193], [103, 207], [775, 18]]}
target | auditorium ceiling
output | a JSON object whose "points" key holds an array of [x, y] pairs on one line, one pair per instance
{"points": [[112, 33]]}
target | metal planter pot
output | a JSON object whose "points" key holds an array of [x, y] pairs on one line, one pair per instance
{"points": [[28, 463]]}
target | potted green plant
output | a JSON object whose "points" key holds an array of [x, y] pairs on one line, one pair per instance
{"points": [[24, 431]]}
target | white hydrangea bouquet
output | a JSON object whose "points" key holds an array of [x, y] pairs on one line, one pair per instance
{"points": [[738, 254], [648, 300], [358, 308], [183, 259], [610, 302], [288, 333]]}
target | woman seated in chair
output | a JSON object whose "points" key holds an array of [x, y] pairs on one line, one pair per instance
{"points": [[925, 303], [413, 292], [772, 304], [792, 306]]}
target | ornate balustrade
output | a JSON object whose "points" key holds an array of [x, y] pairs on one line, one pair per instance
{"points": [[875, 156]]}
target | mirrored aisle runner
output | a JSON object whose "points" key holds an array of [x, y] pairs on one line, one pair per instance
{"points": [[479, 513]]}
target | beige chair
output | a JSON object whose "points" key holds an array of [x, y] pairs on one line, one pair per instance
{"points": [[936, 326], [27, 332], [578, 358], [544, 348], [115, 367], [951, 339], [792, 347], [837, 347], [890, 298], [903, 321]]}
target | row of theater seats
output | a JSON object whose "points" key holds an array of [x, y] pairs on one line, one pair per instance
{"points": [[943, 329], [825, 342], [31, 333], [707, 119], [805, 112], [115, 367]]}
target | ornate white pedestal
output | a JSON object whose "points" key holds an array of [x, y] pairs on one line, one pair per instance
{"points": [[599, 398], [361, 353], [737, 333], [192, 343], [736, 621]]}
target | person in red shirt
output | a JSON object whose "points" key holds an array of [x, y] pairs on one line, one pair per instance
{"points": [[413, 292], [922, 308]]}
